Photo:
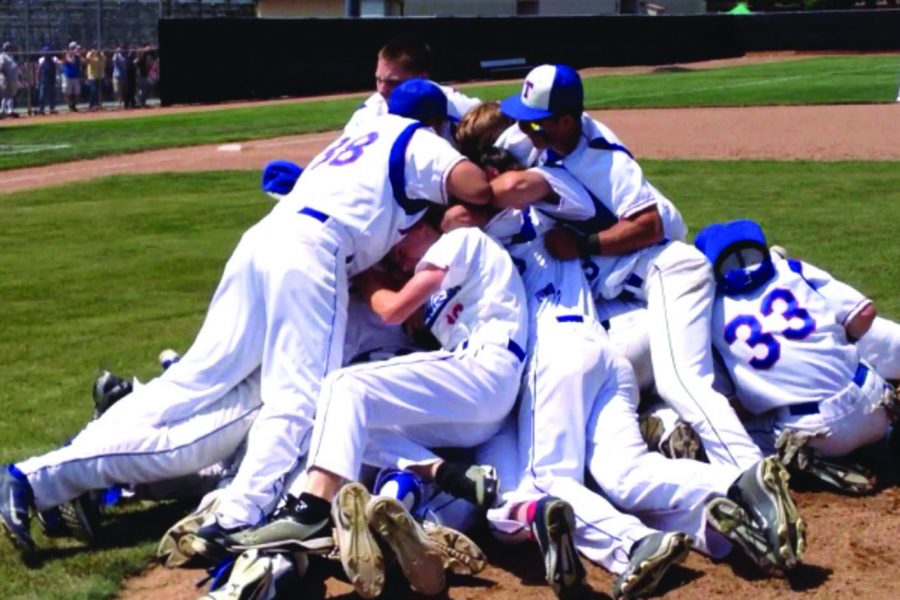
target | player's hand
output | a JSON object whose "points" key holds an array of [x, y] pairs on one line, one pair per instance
{"points": [[562, 243]]}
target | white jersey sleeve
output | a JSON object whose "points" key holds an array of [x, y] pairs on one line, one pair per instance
{"points": [[458, 104], [482, 298], [844, 300], [429, 160], [373, 106], [517, 143]]}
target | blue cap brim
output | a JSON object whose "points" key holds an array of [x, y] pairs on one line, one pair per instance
{"points": [[515, 108]]}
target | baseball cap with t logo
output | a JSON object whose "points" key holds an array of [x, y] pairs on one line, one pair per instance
{"points": [[548, 90]]}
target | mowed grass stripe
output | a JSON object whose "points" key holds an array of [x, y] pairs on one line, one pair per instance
{"points": [[111, 271], [825, 80]]}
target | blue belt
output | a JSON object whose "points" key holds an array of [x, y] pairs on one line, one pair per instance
{"points": [[322, 218], [512, 346], [315, 214], [812, 408], [570, 319]]}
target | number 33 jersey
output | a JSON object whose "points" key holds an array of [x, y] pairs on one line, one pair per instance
{"points": [[785, 342]]}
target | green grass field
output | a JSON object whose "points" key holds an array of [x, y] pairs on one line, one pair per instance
{"points": [[112, 271], [826, 80]]}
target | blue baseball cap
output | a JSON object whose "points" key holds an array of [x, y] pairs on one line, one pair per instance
{"points": [[547, 90], [279, 177], [418, 99]]}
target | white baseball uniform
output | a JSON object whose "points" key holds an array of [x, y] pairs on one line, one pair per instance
{"points": [[455, 397], [458, 105], [673, 278], [564, 378], [786, 349], [281, 307]]}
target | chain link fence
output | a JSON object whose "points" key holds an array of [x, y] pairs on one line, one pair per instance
{"points": [[46, 29]]}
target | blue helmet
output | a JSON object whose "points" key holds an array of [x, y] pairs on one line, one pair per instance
{"points": [[738, 254]]}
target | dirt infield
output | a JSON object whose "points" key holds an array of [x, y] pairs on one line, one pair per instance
{"points": [[863, 132]]}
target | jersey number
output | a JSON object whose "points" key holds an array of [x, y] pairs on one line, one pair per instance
{"points": [[345, 151], [799, 326]]}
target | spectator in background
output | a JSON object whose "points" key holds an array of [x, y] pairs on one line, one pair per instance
{"points": [[47, 69], [9, 82], [96, 68], [71, 72], [119, 75], [143, 63], [130, 79]]}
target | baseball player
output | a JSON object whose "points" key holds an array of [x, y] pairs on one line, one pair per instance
{"points": [[585, 397], [455, 397], [784, 331], [566, 374], [626, 232], [401, 59], [281, 308]]}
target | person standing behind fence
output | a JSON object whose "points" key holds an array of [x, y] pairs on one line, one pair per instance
{"points": [[9, 81], [47, 69], [130, 79], [142, 63], [119, 75], [71, 72], [96, 68]]}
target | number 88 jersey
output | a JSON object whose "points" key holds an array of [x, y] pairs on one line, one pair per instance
{"points": [[784, 342]]}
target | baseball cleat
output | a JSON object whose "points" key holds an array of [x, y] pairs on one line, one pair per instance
{"points": [[285, 532], [250, 577], [82, 517], [733, 522], [554, 529], [359, 552], [176, 546], [15, 504], [669, 435], [479, 484], [650, 560], [211, 541], [461, 555], [52, 524], [421, 561], [763, 491], [109, 389]]}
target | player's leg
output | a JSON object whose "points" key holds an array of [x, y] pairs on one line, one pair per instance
{"points": [[304, 285], [669, 494], [679, 290], [117, 451], [563, 376]]}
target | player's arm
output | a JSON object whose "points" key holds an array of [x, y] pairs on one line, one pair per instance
{"points": [[467, 182], [518, 189], [462, 215], [632, 233], [859, 325], [394, 307]]}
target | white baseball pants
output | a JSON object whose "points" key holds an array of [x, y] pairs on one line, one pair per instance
{"points": [[848, 420], [603, 535], [679, 287], [666, 494], [122, 447], [435, 399]]}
